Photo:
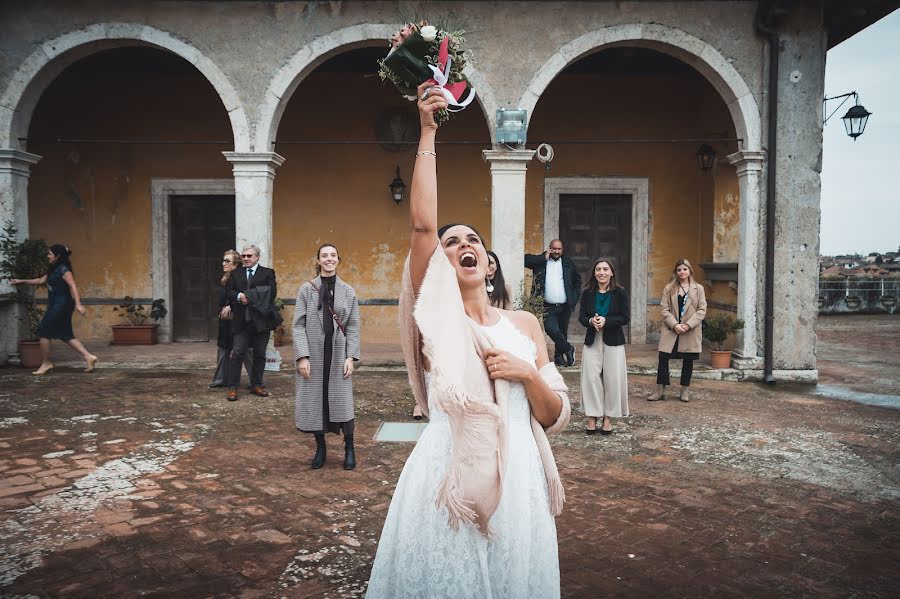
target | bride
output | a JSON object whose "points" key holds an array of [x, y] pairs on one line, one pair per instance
{"points": [[473, 511]]}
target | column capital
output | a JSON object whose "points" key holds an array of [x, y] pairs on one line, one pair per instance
{"points": [[507, 160], [254, 163], [17, 161], [747, 160]]}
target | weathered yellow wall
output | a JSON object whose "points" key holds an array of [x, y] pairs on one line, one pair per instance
{"points": [[339, 193], [578, 107], [107, 226]]}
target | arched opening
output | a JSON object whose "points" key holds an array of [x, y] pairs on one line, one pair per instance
{"points": [[334, 185], [626, 124], [109, 127]]}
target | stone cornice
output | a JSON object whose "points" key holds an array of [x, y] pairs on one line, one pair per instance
{"points": [[507, 160], [17, 161], [254, 163]]}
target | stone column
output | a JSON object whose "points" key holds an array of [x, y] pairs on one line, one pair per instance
{"points": [[508, 211], [15, 167], [254, 178], [752, 235]]}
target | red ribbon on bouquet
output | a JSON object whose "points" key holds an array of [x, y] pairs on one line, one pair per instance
{"points": [[452, 92]]}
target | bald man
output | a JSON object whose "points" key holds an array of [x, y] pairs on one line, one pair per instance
{"points": [[556, 278]]}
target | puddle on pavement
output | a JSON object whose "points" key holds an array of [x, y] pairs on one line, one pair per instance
{"points": [[872, 399], [402, 432]]}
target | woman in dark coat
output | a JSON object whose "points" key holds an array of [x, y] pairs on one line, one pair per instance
{"points": [[62, 301], [604, 379], [496, 284], [326, 345], [230, 261]]}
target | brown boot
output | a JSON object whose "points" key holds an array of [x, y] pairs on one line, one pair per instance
{"points": [[659, 395], [685, 394]]}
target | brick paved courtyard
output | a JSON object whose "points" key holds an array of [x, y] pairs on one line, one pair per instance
{"points": [[139, 482]]}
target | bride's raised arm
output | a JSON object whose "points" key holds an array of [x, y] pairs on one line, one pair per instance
{"points": [[423, 194]]}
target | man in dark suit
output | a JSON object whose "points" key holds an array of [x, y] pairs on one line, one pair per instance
{"points": [[557, 280], [245, 287]]}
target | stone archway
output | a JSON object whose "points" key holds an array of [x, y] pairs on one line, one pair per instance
{"points": [[744, 111], [37, 71], [675, 42], [304, 62]]}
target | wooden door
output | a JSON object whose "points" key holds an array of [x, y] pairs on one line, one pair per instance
{"points": [[202, 229], [592, 226]]}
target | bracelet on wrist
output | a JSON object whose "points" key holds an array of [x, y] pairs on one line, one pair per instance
{"points": [[424, 152]]}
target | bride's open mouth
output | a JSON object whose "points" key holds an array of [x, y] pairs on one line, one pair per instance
{"points": [[468, 260]]}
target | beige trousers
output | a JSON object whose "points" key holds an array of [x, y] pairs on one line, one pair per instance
{"points": [[604, 380]]}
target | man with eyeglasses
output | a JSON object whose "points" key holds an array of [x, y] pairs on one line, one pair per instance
{"points": [[251, 292]]}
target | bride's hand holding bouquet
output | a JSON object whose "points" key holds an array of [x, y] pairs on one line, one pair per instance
{"points": [[429, 103], [422, 53]]}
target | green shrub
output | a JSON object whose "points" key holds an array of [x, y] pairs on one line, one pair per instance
{"points": [[719, 327], [137, 314], [25, 259]]}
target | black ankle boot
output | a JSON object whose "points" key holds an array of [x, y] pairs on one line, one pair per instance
{"points": [[349, 453], [319, 459]]}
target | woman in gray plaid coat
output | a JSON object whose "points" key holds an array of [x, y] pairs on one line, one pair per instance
{"points": [[326, 344]]}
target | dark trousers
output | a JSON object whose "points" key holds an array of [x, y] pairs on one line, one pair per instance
{"points": [[248, 338], [223, 365], [662, 371], [556, 323]]}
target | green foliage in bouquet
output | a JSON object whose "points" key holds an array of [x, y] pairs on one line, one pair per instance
{"points": [[407, 65]]}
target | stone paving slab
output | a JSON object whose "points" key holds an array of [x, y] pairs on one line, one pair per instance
{"points": [[144, 483], [141, 482]]}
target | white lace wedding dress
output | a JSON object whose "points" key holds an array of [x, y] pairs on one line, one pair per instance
{"points": [[420, 556]]}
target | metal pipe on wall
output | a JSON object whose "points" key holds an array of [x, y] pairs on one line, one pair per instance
{"points": [[763, 24]]}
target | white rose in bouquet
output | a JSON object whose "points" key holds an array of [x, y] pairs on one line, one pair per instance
{"points": [[428, 33]]}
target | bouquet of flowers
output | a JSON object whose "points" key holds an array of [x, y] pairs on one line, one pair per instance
{"points": [[422, 52]]}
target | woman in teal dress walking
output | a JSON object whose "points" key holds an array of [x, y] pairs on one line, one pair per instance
{"points": [[62, 301]]}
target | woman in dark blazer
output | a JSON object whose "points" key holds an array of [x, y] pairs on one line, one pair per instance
{"points": [[604, 379], [230, 261]]}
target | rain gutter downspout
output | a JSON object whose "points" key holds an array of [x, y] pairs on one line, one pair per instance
{"points": [[761, 23]]}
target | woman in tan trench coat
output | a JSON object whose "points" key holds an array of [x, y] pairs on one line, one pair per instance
{"points": [[683, 310], [326, 344]]}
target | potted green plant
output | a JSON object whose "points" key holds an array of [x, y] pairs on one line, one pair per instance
{"points": [[137, 331], [530, 303], [718, 328], [25, 259]]}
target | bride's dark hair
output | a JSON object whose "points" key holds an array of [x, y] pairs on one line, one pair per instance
{"points": [[443, 229]]}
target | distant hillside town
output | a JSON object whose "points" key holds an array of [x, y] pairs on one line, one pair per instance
{"points": [[875, 264]]}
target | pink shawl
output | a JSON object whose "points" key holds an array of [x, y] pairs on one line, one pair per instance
{"points": [[435, 326]]}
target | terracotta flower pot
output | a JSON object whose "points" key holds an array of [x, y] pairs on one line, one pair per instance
{"points": [[720, 359], [30, 353], [142, 334]]}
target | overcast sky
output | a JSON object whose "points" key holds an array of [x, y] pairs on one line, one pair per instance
{"points": [[861, 179]]}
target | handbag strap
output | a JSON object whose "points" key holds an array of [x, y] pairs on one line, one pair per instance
{"points": [[331, 311]]}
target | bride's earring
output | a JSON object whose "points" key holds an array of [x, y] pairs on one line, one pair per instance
{"points": [[490, 288]]}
